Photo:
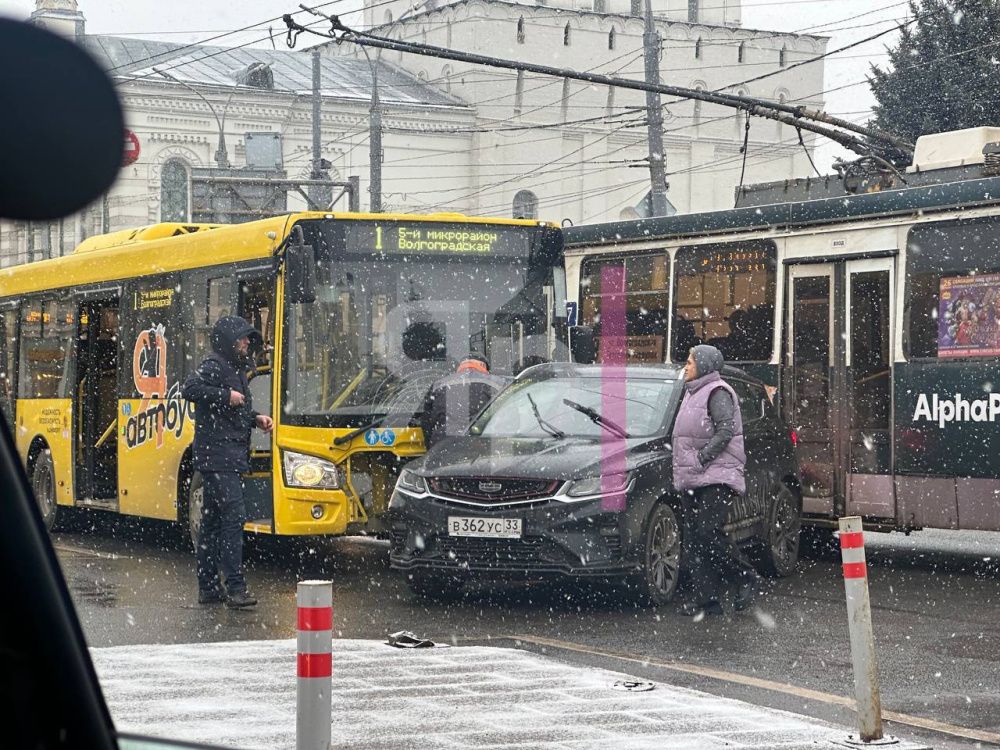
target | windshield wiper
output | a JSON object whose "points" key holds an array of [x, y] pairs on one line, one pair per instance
{"points": [[553, 431], [360, 431], [596, 418]]}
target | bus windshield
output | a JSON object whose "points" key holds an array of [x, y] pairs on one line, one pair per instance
{"points": [[382, 329]]}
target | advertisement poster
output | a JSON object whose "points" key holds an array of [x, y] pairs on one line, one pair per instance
{"points": [[968, 324]]}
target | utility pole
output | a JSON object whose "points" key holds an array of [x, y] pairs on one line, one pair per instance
{"points": [[316, 191], [374, 142], [654, 116]]}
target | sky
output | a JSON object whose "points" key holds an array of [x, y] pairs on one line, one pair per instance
{"points": [[843, 21]]}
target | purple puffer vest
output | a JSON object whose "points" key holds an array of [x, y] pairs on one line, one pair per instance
{"points": [[692, 431]]}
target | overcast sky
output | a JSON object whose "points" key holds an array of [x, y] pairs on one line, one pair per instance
{"points": [[844, 21]]}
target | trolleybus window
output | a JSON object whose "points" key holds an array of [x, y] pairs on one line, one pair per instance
{"points": [[724, 296], [953, 290], [646, 279]]}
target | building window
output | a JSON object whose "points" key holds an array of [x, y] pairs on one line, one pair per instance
{"points": [[388, 17], [566, 36], [446, 78], [519, 93], [697, 49], [692, 11], [565, 99], [783, 57], [741, 53], [697, 107], [610, 107], [174, 191], [599, 6], [520, 30], [448, 33], [525, 205], [611, 39]]}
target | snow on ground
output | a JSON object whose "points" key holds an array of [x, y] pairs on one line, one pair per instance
{"points": [[242, 695]]}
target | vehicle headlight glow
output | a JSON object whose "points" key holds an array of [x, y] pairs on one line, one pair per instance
{"points": [[410, 482], [599, 485], [309, 471]]}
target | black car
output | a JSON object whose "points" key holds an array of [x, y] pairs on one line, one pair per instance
{"points": [[522, 493]]}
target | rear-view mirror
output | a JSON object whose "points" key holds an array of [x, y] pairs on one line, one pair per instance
{"points": [[63, 134], [582, 345], [300, 274]]}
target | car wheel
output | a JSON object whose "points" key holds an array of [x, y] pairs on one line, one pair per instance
{"points": [[661, 557], [43, 484], [195, 501], [442, 587], [782, 552]]}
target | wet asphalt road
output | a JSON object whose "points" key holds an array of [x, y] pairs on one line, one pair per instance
{"points": [[935, 602]]}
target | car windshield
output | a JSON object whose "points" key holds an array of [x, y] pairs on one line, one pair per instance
{"points": [[577, 406]]}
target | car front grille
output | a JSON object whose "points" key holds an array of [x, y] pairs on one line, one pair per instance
{"points": [[501, 552], [493, 489]]}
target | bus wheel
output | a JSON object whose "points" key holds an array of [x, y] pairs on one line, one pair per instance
{"points": [[661, 558], [782, 552], [196, 499], [43, 484]]}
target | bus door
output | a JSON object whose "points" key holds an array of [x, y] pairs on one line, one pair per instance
{"points": [[96, 400], [837, 384]]}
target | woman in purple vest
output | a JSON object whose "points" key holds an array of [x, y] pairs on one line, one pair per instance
{"points": [[708, 464]]}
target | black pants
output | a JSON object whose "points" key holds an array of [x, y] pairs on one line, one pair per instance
{"points": [[220, 536], [712, 558]]}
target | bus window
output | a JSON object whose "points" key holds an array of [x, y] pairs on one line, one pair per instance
{"points": [[255, 305], [646, 279], [208, 299], [8, 362], [47, 337], [953, 290], [724, 296]]}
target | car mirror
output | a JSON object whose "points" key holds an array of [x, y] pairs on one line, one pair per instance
{"points": [[64, 145]]}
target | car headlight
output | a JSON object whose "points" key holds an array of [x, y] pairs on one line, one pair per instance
{"points": [[410, 482], [599, 485], [309, 471]]}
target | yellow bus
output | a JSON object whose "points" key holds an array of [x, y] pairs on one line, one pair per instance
{"points": [[360, 314]]}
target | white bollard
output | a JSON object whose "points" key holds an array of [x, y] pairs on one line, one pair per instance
{"points": [[859, 617], [315, 668]]}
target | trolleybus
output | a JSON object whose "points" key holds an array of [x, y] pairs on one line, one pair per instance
{"points": [[359, 315], [871, 307]]}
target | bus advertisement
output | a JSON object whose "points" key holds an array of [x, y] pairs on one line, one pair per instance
{"points": [[360, 314]]}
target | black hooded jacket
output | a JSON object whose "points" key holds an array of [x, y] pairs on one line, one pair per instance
{"points": [[222, 431]]}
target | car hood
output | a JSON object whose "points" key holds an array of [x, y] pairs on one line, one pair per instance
{"points": [[533, 458]]}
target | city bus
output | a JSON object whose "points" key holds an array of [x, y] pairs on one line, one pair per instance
{"points": [[359, 315], [871, 309]]}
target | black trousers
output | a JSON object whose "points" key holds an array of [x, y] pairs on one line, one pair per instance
{"points": [[220, 536], [711, 557]]}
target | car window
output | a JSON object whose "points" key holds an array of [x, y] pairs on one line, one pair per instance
{"points": [[751, 398]]}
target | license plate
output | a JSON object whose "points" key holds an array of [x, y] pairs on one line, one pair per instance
{"points": [[494, 528]]}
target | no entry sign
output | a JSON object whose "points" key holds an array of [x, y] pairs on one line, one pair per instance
{"points": [[131, 153]]}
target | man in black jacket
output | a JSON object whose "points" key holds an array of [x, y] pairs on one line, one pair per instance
{"points": [[224, 417], [454, 400]]}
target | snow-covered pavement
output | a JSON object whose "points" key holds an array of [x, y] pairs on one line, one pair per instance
{"points": [[242, 695]]}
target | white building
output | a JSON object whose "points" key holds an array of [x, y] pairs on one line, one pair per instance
{"points": [[578, 149], [177, 98], [481, 141]]}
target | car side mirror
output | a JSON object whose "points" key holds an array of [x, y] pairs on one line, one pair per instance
{"points": [[583, 345], [300, 274]]}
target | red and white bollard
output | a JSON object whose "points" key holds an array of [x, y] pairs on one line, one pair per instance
{"points": [[315, 647], [859, 617]]}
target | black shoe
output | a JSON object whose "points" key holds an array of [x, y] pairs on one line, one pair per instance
{"points": [[708, 608], [240, 600], [213, 596], [745, 593]]}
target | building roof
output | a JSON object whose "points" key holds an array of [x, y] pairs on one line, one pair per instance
{"points": [[535, 5], [291, 71]]}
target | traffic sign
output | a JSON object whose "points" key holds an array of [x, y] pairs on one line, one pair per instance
{"points": [[130, 155]]}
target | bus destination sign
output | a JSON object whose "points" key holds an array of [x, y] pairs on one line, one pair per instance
{"points": [[735, 261], [434, 238]]}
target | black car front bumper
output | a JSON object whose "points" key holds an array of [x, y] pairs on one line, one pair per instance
{"points": [[577, 539]]}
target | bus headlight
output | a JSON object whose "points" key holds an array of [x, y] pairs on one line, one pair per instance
{"points": [[309, 471]]}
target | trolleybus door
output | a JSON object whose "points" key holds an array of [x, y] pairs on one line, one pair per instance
{"points": [[868, 325], [809, 385]]}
